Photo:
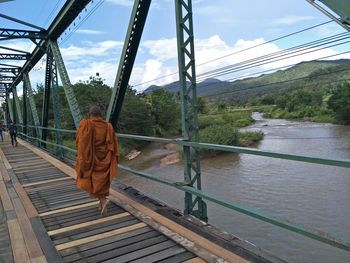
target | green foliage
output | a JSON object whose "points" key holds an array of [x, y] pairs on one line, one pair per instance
{"points": [[339, 102], [202, 104], [234, 118], [136, 116], [248, 138], [223, 134], [165, 111]]}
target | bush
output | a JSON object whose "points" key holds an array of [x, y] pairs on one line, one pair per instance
{"points": [[210, 120], [249, 138], [221, 134]]}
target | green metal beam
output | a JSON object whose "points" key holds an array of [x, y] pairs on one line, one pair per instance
{"points": [[127, 59], [68, 88], [56, 102], [46, 97], [10, 56], [6, 34], [34, 112], [189, 115], [18, 106], [339, 7], [25, 111], [9, 107]]}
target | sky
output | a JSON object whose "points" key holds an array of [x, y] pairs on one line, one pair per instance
{"points": [[221, 29]]}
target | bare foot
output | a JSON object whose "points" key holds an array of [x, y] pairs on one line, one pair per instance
{"points": [[104, 208]]}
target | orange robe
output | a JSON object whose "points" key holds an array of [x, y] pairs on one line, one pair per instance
{"points": [[98, 156]]}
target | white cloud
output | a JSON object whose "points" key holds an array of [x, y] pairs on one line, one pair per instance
{"points": [[121, 2], [90, 49], [90, 32], [163, 49], [291, 19]]}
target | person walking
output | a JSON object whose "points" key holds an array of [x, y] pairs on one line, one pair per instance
{"points": [[97, 158], [13, 134], [1, 130]]}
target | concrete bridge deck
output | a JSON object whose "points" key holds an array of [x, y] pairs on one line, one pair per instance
{"points": [[45, 218]]}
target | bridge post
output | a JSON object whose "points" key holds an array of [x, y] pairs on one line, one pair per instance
{"points": [[18, 107], [55, 98], [9, 109], [25, 112], [187, 75], [68, 89], [32, 104]]}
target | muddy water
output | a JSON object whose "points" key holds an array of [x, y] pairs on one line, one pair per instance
{"points": [[314, 196]]}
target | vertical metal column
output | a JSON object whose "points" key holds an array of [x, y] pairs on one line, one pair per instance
{"points": [[18, 109], [25, 112], [46, 98], [68, 89], [187, 75], [32, 103], [8, 109], [56, 101]]}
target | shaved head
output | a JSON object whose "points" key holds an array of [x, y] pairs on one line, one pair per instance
{"points": [[95, 111]]}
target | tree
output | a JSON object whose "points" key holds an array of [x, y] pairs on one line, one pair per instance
{"points": [[165, 111], [339, 102]]}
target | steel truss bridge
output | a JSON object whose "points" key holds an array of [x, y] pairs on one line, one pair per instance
{"points": [[34, 129]]}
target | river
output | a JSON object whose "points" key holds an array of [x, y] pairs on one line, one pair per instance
{"points": [[310, 195]]}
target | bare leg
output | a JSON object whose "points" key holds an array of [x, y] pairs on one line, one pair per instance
{"points": [[104, 203]]}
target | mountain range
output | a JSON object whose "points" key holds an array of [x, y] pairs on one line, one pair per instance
{"points": [[317, 74]]}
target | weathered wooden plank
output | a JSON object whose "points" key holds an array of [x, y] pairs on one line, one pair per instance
{"points": [[5, 198], [182, 257], [63, 167], [115, 249], [45, 242], [183, 236], [86, 224], [32, 244], [94, 230], [118, 241], [71, 208], [169, 252], [99, 236], [58, 222], [63, 205], [5, 243], [195, 260], [142, 252], [19, 249], [30, 209], [47, 181]]}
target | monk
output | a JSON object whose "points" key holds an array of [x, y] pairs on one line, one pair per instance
{"points": [[98, 157]]}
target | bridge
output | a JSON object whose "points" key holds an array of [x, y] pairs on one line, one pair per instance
{"points": [[46, 219]]}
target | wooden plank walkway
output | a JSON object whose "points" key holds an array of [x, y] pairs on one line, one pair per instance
{"points": [[45, 218]]}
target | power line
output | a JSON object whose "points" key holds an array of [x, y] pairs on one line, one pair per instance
{"points": [[292, 50], [230, 54], [263, 62], [82, 21]]}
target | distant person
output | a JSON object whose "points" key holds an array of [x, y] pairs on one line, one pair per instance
{"points": [[13, 134], [1, 129], [98, 157]]}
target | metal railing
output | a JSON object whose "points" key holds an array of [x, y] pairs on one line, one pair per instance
{"points": [[183, 186]]}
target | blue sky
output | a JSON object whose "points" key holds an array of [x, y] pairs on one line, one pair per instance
{"points": [[221, 27]]}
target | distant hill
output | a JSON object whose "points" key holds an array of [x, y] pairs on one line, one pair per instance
{"points": [[314, 74]]}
